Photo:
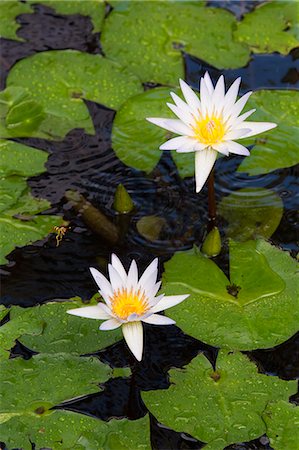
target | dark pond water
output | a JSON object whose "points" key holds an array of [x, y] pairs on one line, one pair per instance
{"points": [[41, 272]]}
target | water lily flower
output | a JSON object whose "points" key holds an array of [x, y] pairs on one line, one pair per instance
{"points": [[129, 301], [209, 125]]}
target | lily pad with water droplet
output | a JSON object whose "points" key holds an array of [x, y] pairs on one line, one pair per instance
{"points": [[278, 148], [251, 213], [63, 332], [9, 10], [21, 160], [270, 28], [282, 420], [65, 430], [256, 308], [60, 80], [221, 406], [153, 38]]}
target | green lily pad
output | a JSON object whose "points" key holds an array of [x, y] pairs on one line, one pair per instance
{"points": [[20, 116], [257, 308], [65, 430], [270, 28], [277, 148], [219, 407], [22, 160], [282, 420], [136, 141], [34, 386], [251, 213], [60, 80], [3, 312], [13, 329], [95, 9], [9, 10], [153, 38], [63, 332]]}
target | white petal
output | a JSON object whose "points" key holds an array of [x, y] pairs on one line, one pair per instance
{"points": [[174, 125], [149, 285], [218, 95], [115, 278], [133, 334], [177, 142], [205, 98], [157, 319], [132, 275], [187, 118], [101, 281], [209, 83], [168, 301], [237, 133], [238, 106], [91, 312], [221, 148], [191, 145], [152, 267], [204, 162], [233, 121], [181, 104], [237, 149], [111, 324], [116, 263], [257, 127], [190, 96], [231, 95]]}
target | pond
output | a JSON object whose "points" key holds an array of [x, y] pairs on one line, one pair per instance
{"points": [[85, 183]]}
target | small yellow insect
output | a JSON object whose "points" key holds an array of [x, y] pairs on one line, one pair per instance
{"points": [[60, 232]]}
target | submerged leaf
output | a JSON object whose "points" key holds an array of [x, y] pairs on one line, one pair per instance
{"points": [[257, 308], [220, 407], [282, 420], [251, 213], [150, 227]]}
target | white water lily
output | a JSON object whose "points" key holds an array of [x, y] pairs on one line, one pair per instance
{"points": [[209, 125], [129, 301]]}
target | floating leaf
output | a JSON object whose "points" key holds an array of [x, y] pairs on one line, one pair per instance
{"points": [[13, 329], [60, 80], [9, 10], [20, 116], [64, 430], [282, 420], [257, 308], [19, 159], [136, 141], [95, 9], [251, 213], [219, 407], [270, 28], [3, 312], [153, 38], [279, 147], [63, 332], [150, 227], [36, 385]]}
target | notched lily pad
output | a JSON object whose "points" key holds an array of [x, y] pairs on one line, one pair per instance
{"points": [[256, 308], [270, 28], [282, 420], [60, 80], [251, 213], [153, 38], [220, 407], [19, 159], [277, 148], [65, 430], [9, 11], [62, 332]]}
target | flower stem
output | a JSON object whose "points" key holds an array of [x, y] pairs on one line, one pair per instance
{"points": [[211, 201]]}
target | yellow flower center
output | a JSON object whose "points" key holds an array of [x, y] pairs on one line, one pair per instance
{"points": [[124, 303], [209, 130]]}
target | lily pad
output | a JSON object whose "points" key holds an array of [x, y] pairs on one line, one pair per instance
{"points": [[270, 28], [13, 329], [60, 80], [153, 38], [251, 213], [257, 308], [22, 160], [9, 10], [277, 148], [150, 227], [220, 407], [63, 332], [136, 141], [282, 420], [34, 386], [65, 430], [95, 9]]}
